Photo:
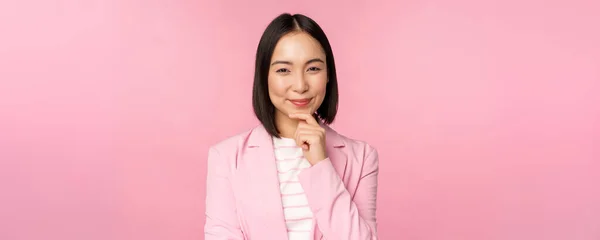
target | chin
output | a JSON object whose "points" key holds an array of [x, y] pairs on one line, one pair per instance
{"points": [[301, 110]]}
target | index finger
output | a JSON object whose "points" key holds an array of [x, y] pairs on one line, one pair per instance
{"points": [[306, 117]]}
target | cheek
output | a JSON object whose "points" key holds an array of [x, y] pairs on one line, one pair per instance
{"points": [[276, 87], [319, 84]]}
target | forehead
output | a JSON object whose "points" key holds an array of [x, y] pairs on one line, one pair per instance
{"points": [[297, 46]]}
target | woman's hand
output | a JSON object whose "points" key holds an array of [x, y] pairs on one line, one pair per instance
{"points": [[311, 137]]}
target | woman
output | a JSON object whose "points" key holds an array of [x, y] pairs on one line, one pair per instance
{"points": [[292, 177]]}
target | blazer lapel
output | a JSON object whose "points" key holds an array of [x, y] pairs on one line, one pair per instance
{"points": [[336, 150], [265, 182], [338, 156]]}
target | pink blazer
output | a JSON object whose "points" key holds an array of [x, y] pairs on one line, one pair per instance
{"points": [[243, 199]]}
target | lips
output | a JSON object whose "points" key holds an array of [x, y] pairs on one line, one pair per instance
{"points": [[300, 102]]}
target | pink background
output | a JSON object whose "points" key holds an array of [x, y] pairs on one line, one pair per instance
{"points": [[486, 115]]}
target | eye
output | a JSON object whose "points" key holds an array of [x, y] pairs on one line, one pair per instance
{"points": [[314, 69], [282, 70]]}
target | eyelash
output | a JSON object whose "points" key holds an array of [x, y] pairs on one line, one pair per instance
{"points": [[283, 70]]}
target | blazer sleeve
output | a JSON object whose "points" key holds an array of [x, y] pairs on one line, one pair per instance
{"points": [[221, 216], [337, 214]]}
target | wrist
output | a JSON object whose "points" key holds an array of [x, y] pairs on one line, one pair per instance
{"points": [[315, 161]]}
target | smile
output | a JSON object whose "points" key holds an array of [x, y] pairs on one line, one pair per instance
{"points": [[300, 102]]}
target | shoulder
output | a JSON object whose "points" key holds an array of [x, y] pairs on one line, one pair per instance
{"points": [[252, 137], [361, 153], [222, 155], [233, 142], [359, 148]]}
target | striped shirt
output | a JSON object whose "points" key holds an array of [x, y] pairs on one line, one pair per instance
{"points": [[297, 213]]}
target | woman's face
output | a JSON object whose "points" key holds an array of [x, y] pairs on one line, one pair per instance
{"points": [[297, 75]]}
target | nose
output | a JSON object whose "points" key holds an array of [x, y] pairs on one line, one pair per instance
{"points": [[300, 85]]}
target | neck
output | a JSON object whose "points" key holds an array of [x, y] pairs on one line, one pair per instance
{"points": [[285, 125]]}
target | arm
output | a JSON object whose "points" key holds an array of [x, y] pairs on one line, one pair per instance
{"points": [[221, 217], [337, 214]]}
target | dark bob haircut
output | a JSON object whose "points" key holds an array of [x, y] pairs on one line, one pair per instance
{"points": [[261, 102]]}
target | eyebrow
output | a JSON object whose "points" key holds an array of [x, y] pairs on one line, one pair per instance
{"points": [[290, 63]]}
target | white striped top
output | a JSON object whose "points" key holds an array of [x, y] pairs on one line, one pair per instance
{"points": [[297, 213]]}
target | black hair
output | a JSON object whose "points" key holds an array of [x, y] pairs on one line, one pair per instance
{"points": [[280, 26]]}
